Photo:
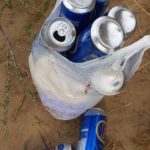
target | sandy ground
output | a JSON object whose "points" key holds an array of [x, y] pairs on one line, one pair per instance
{"points": [[26, 125]]}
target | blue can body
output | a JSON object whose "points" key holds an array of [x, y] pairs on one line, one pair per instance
{"points": [[92, 134], [100, 8], [85, 49], [106, 12], [80, 20]]}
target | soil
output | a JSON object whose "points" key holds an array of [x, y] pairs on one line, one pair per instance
{"points": [[26, 125]]}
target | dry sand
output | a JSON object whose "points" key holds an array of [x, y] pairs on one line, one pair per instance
{"points": [[26, 125]]}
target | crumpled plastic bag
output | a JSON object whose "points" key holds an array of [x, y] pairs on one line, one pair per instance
{"points": [[68, 89]]}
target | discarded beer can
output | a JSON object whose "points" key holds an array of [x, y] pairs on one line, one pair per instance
{"points": [[79, 12], [59, 34], [102, 38], [61, 147], [126, 18], [93, 130]]}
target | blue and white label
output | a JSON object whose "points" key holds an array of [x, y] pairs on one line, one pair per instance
{"points": [[92, 135]]}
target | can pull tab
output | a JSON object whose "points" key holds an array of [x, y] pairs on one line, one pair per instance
{"points": [[60, 33], [62, 29]]}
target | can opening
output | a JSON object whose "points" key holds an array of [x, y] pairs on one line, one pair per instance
{"points": [[59, 37]]}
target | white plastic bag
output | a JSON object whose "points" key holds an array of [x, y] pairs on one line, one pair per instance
{"points": [[67, 89]]}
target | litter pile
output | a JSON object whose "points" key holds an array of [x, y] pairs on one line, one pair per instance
{"points": [[78, 56]]}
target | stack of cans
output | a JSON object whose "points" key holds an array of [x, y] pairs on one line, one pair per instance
{"points": [[96, 41], [86, 29]]}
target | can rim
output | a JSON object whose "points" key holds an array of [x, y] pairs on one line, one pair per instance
{"points": [[50, 42], [97, 40], [93, 111], [112, 13], [77, 9]]}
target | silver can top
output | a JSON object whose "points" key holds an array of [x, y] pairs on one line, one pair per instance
{"points": [[125, 17], [107, 34], [80, 6], [59, 33], [94, 111]]}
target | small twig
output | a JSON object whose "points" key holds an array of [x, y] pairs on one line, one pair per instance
{"points": [[137, 23], [145, 65], [121, 145], [114, 146], [30, 6], [43, 139], [6, 99], [37, 127], [19, 107], [7, 91], [119, 108], [142, 33], [39, 122], [141, 7]]}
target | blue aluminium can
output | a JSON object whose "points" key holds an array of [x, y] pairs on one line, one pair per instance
{"points": [[93, 130], [61, 147], [101, 8], [79, 12], [102, 38]]}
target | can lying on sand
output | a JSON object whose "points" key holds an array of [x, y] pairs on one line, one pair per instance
{"points": [[103, 37], [59, 34], [92, 134], [79, 12]]}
